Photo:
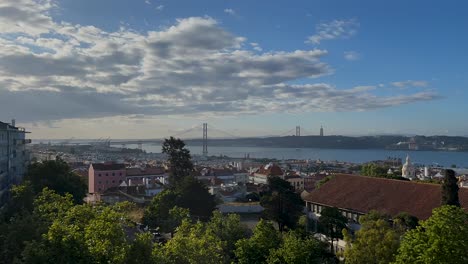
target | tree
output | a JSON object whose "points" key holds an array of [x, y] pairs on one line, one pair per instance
{"points": [[332, 223], [228, 229], [25, 225], [194, 196], [439, 239], [180, 164], [281, 203], [255, 250], [376, 242], [450, 189], [141, 249], [191, 244], [405, 221], [157, 213], [56, 175], [297, 250]]}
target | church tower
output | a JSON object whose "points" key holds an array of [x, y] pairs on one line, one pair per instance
{"points": [[408, 171]]}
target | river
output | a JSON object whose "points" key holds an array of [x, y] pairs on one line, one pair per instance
{"points": [[443, 158]]}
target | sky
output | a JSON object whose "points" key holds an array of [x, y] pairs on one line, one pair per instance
{"points": [[155, 68]]}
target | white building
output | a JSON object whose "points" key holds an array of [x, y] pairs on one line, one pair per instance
{"points": [[14, 158], [408, 171]]}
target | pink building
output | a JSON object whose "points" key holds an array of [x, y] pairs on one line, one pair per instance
{"points": [[103, 176]]}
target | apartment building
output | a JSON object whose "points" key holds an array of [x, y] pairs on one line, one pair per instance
{"points": [[14, 157]]}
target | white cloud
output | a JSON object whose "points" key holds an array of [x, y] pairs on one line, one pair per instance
{"points": [[147, 2], [160, 7], [255, 46], [334, 30], [351, 55], [409, 83], [230, 11], [194, 67]]}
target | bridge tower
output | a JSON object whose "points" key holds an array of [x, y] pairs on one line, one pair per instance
{"points": [[298, 131], [205, 139]]}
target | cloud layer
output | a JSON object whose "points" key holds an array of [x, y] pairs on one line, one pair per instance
{"points": [[53, 70]]}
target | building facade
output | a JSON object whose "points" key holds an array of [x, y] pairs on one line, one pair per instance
{"points": [[102, 176], [14, 157]]}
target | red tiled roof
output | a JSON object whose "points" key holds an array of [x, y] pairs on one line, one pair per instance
{"points": [[108, 166], [270, 170], [145, 171], [363, 194]]}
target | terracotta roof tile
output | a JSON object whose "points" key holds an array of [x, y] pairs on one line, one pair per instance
{"points": [[270, 170], [363, 194]]}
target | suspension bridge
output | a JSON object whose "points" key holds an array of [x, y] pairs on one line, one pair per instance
{"points": [[195, 133]]}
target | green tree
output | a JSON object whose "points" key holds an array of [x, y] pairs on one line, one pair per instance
{"points": [[141, 249], [57, 176], [228, 229], [255, 250], [332, 223], [376, 242], [405, 221], [450, 189], [157, 213], [191, 244], [282, 204], [180, 163], [439, 239], [297, 250], [27, 226], [194, 196]]}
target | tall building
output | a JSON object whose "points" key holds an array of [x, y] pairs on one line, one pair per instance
{"points": [[321, 131], [14, 157]]}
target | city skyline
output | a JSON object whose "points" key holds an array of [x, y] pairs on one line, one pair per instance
{"points": [[149, 69]]}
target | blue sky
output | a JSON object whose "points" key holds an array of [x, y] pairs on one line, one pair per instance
{"points": [[143, 69]]}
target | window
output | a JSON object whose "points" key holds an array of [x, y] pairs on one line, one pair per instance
{"points": [[107, 174], [120, 174], [107, 182], [99, 182], [113, 181], [113, 174], [99, 189], [99, 174]]}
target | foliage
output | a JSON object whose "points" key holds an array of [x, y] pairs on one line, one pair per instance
{"points": [[191, 244], [141, 250], [439, 239], [450, 189], [376, 242], [228, 229], [332, 223], [405, 221], [194, 196], [27, 226], [297, 250], [191, 194], [180, 164], [57, 176], [257, 248], [374, 170], [282, 204], [323, 181], [157, 212]]}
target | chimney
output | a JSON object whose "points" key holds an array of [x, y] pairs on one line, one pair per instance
{"points": [[13, 122]]}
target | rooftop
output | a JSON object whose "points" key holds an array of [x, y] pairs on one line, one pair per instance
{"points": [[363, 194], [108, 166]]}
